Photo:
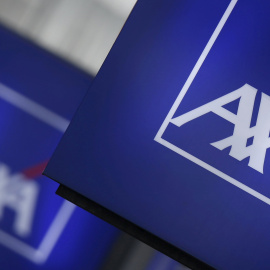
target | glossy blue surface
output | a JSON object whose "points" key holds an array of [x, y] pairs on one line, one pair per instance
{"points": [[109, 154]]}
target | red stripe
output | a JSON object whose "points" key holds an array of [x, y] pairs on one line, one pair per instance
{"points": [[35, 171]]}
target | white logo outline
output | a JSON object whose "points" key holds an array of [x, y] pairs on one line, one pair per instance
{"points": [[41, 253], [158, 138]]}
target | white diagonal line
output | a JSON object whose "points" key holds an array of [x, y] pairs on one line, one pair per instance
{"points": [[215, 171], [55, 230], [196, 68], [40, 255], [37, 255], [17, 245], [34, 109]]}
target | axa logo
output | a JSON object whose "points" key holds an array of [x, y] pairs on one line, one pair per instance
{"points": [[21, 229], [19, 194], [245, 139], [242, 132]]}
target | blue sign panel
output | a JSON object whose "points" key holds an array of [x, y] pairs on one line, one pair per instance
{"points": [[174, 133], [39, 230]]}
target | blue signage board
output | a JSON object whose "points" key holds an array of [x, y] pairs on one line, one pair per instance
{"points": [[173, 135], [39, 93]]}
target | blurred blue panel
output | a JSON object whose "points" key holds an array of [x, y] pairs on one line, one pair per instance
{"points": [[39, 93]]}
